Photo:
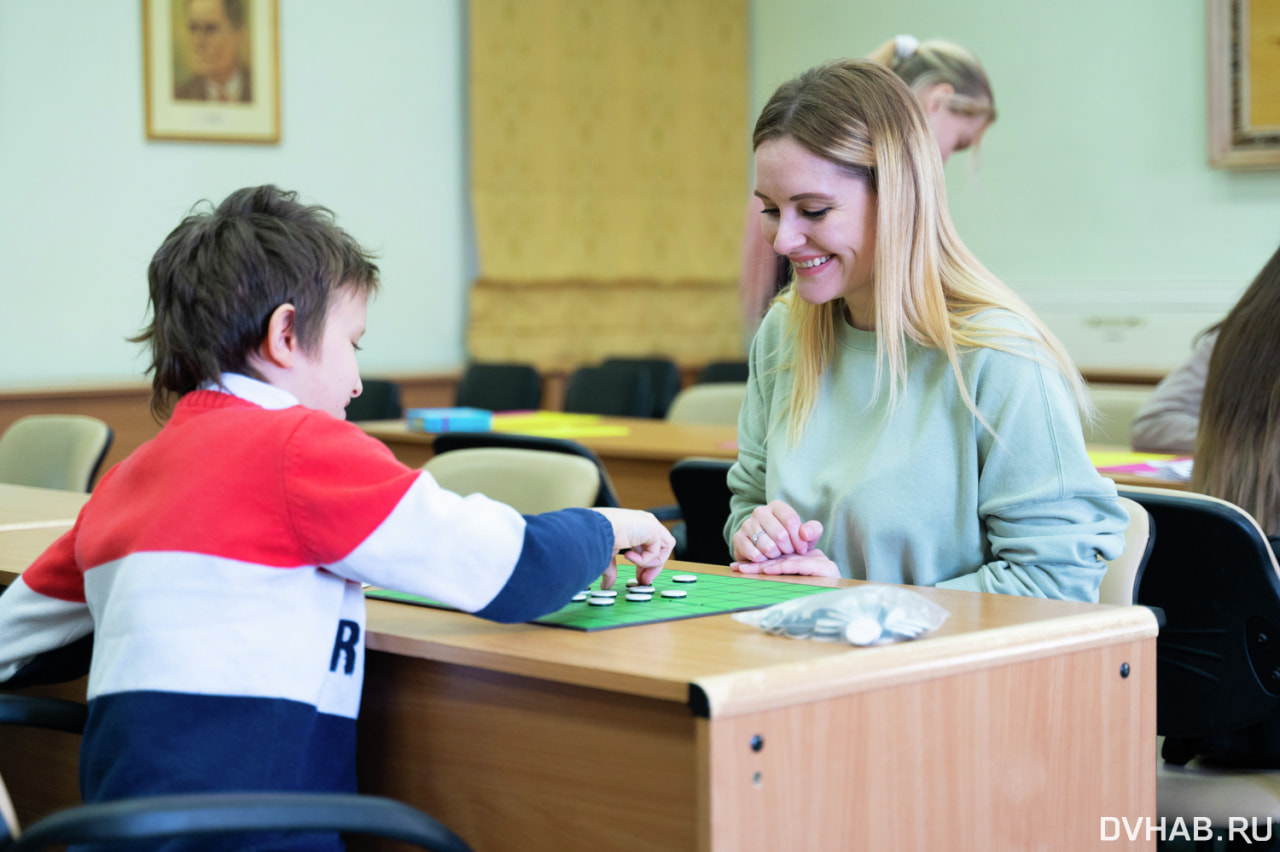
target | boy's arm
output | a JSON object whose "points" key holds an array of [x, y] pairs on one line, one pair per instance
{"points": [[46, 630]]}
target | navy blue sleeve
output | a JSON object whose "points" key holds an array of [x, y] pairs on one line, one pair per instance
{"points": [[563, 553]]}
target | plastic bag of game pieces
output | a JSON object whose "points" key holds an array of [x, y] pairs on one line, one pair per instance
{"points": [[864, 615]]}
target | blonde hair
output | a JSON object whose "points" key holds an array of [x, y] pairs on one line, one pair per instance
{"points": [[923, 65], [1238, 443], [928, 286]]}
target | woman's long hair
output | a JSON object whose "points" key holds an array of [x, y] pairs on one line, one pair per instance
{"points": [[1237, 456], [928, 286]]}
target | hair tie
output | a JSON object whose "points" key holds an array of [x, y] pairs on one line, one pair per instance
{"points": [[905, 46]]}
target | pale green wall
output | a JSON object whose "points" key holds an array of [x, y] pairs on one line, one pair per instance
{"points": [[373, 127], [1094, 185]]}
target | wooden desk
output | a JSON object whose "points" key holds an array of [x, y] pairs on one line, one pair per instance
{"points": [[1012, 727], [22, 507], [639, 463], [1133, 478]]}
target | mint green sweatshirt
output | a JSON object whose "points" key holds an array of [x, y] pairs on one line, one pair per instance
{"points": [[926, 495]]}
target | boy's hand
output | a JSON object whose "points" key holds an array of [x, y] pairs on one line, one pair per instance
{"points": [[772, 532], [642, 539]]}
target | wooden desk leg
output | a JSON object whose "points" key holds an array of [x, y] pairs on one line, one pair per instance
{"points": [[1025, 756]]}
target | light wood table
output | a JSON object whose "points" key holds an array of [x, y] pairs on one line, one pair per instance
{"points": [[22, 507], [639, 462], [1133, 478], [1018, 725]]}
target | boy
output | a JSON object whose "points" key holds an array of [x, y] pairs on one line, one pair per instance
{"points": [[219, 566]]}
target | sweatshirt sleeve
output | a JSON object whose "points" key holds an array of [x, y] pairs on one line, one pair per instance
{"points": [[747, 475], [363, 515], [45, 625], [1169, 420], [1051, 518]]}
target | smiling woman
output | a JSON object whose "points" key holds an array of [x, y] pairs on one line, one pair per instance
{"points": [[907, 418]]}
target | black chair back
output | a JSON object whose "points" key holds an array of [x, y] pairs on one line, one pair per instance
{"points": [[1213, 575], [724, 371], [500, 387], [664, 379], [617, 390], [702, 489], [449, 441], [380, 400]]}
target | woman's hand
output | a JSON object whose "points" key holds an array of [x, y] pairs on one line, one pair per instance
{"points": [[774, 531], [814, 564]]}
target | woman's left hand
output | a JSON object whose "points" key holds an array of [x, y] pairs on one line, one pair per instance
{"points": [[814, 564]]}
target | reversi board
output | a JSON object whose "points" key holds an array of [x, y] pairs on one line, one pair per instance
{"points": [[712, 594]]}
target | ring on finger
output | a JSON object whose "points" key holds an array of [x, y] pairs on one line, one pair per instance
{"points": [[755, 537]]}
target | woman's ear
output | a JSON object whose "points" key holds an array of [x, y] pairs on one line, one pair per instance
{"points": [[937, 97], [280, 348]]}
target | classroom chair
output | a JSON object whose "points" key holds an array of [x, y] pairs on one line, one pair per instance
{"points": [[664, 379], [702, 491], [618, 390], [723, 371], [1124, 573], [1116, 405], [447, 442], [717, 403], [530, 481], [154, 818], [500, 387], [62, 451], [1214, 577], [379, 400]]}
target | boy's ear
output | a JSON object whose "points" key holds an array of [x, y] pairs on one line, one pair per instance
{"points": [[280, 348]]}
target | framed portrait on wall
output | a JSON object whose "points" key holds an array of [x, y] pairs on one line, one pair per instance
{"points": [[1244, 83], [211, 70]]}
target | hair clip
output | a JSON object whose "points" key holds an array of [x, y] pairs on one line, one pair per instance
{"points": [[905, 46]]}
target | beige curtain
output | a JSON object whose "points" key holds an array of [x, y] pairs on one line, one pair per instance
{"points": [[609, 165]]}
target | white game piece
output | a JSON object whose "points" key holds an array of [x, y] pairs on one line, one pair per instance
{"points": [[604, 593], [601, 601], [580, 596], [644, 590], [639, 596], [862, 630], [633, 582], [827, 627], [674, 593], [684, 578]]}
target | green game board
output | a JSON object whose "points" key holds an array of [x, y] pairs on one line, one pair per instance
{"points": [[712, 594]]}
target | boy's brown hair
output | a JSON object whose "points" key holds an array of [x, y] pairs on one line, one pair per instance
{"points": [[218, 277]]}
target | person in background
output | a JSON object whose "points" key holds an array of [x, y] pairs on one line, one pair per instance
{"points": [[907, 418], [956, 96], [1170, 418], [1237, 446]]}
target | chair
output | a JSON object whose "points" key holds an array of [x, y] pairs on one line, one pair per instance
{"points": [[500, 387], [202, 814], [724, 371], [448, 442], [1215, 578], [379, 400], [62, 451], [617, 390], [1124, 573], [702, 490], [531, 481], [1117, 405], [717, 403], [664, 379]]}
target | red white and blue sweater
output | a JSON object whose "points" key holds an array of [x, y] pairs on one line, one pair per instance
{"points": [[219, 569]]}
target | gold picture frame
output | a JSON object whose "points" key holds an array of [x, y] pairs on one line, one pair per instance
{"points": [[211, 70], [1244, 83]]}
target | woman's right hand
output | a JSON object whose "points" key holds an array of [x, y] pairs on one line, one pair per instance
{"points": [[774, 530]]}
